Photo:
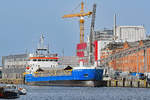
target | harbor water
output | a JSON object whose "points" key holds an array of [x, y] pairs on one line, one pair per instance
{"points": [[84, 93]]}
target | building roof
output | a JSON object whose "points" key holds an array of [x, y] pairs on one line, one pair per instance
{"points": [[119, 45]]}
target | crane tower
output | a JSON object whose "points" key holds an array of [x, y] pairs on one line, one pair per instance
{"points": [[81, 21]]}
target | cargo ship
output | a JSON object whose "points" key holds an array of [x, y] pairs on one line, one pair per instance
{"points": [[43, 69]]}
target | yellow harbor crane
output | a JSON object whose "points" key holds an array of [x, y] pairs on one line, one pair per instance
{"points": [[81, 15]]}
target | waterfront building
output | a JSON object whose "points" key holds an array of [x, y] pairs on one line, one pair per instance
{"points": [[130, 33], [68, 61], [136, 62], [13, 66], [102, 38]]}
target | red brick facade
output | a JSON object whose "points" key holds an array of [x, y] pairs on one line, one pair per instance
{"points": [[135, 62]]}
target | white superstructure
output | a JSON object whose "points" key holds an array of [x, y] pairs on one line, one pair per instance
{"points": [[41, 59]]}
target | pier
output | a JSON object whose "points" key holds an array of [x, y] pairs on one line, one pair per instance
{"points": [[11, 81], [128, 83], [108, 83]]}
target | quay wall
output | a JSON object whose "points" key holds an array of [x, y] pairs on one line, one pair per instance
{"points": [[128, 83], [11, 81], [109, 83]]}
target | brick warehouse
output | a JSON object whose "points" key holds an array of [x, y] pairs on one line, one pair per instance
{"points": [[136, 62]]}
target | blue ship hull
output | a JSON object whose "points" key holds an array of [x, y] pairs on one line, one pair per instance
{"points": [[78, 77]]}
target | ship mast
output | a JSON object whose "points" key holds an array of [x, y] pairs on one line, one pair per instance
{"points": [[41, 48], [42, 41]]}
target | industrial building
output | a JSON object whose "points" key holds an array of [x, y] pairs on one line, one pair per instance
{"points": [[13, 66], [130, 33], [127, 39], [102, 38], [136, 62], [68, 60]]}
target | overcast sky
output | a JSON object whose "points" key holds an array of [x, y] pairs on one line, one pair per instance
{"points": [[22, 21]]}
